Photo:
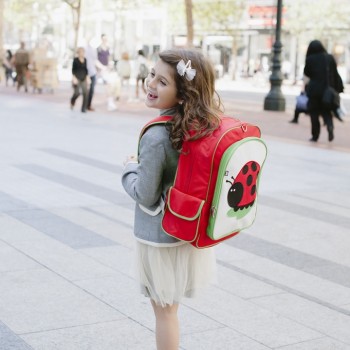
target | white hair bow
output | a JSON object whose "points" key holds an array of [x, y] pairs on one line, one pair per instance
{"points": [[186, 70]]}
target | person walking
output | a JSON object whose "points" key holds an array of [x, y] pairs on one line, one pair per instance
{"points": [[21, 62], [321, 69], [124, 71], [8, 65], [182, 85], [91, 59], [142, 72], [80, 79], [103, 56]]}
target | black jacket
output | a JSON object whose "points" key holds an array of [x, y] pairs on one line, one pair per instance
{"points": [[79, 69], [316, 69]]}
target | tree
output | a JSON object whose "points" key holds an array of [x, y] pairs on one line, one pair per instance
{"points": [[189, 22], [221, 17], [330, 20], [1, 31], [75, 5]]}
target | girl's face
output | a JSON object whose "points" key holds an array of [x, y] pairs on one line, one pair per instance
{"points": [[161, 87]]}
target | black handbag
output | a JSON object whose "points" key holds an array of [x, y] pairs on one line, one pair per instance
{"points": [[330, 97]]}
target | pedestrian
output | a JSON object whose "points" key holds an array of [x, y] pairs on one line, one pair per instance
{"points": [[21, 62], [113, 88], [8, 65], [321, 69], [181, 84], [103, 56], [80, 79], [91, 59], [141, 68], [124, 71], [300, 106]]}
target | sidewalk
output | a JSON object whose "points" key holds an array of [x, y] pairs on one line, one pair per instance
{"points": [[66, 242], [272, 123]]}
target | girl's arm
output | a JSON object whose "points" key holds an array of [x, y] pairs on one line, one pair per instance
{"points": [[143, 180]]}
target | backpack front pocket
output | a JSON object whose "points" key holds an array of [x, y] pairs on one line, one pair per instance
{"points": [[182, 215]]}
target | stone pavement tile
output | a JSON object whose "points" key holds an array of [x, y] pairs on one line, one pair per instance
{"points": [[60, 229], [294, 280], [315, 237], [224, 338], [118, 258], [37, 191], [39, 300], [333, 202], [63, 260], [73, 182], [294, 258], [114, 168], [87, 173], [11, 341], [13, 231], [263, 326], [292, 166], [329, 322], [317, 344], [13, 260], [116, 225], [240, 285], [123, 334], [123, 294]]}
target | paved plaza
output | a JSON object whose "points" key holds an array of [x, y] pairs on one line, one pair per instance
{"points": [[66, 242]]}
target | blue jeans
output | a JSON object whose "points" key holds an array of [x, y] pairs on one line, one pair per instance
{"points": [[91, 90]]}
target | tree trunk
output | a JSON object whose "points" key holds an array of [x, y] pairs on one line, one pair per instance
{"points": [[76, 20], [189, 22], [2, 51], [75, 5]]}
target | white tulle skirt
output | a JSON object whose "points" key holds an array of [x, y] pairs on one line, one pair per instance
{"points": [[167, 274]]}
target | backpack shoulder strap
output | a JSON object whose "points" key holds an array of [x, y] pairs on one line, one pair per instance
{"points": [[156, 121], [163, 119]]}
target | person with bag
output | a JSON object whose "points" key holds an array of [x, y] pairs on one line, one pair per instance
{"points": [[80, 79], [300, 107], [321, 69], [180, 85]]}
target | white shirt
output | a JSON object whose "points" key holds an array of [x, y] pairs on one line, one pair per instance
{"points": [[91, 58]]}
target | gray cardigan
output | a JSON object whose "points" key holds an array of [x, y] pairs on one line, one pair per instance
{"points": [[147, 183]]}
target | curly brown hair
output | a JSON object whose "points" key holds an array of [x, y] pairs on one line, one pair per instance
{"points": [[199, 113]]}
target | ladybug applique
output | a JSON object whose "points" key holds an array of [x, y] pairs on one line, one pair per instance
{"points": [[242, 192]]}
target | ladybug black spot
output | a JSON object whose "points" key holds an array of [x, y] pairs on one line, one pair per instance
{"points": [[235, 195], [245, 169], [249, 180]]}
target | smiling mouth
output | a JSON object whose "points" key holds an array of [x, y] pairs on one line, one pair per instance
{"points": [[152, 96]]}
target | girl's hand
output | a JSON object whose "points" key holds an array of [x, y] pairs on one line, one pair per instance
{"points": [[130, 159]]}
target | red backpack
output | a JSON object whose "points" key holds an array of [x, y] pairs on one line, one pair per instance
{"points": [[214, 195]]}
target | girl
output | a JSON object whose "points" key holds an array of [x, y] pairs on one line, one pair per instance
{"points": [[181, 85]]}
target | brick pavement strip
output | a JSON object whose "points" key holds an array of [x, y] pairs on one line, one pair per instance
{"points": [[66, 242], [272, 123]]}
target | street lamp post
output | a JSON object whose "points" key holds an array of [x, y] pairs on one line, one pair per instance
{"points": [[275, 101]]}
